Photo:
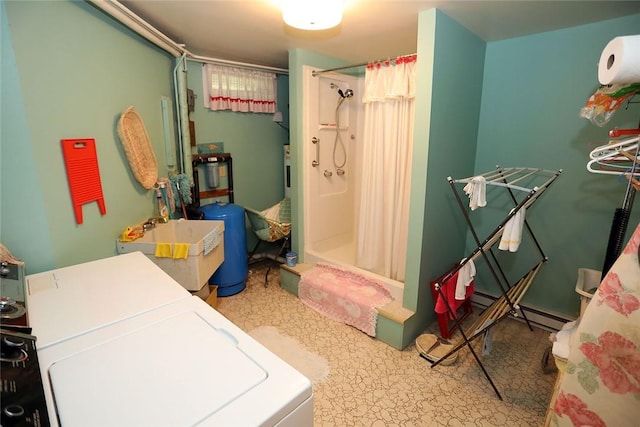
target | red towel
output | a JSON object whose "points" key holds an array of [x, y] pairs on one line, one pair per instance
{"points": [[449, 291]]}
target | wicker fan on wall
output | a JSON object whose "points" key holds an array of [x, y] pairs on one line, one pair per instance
{"points": [[135, 141]]}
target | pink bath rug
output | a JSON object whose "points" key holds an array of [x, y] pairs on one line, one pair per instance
{"points": [[343, 295]]}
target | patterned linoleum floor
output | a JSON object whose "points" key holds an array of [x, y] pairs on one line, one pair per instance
{"points": [[372, 384]]}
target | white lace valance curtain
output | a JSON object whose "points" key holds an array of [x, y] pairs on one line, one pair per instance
{"points": [[386, 81], [238, 89]]}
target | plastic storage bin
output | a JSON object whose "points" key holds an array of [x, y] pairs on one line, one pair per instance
{"points": [[231, 276], [586, 285]]}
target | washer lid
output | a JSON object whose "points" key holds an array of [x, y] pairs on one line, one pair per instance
{"points": [[72, 301], [128, 382]]}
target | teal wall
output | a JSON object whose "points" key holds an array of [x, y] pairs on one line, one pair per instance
{"points": [[75, 82], [254, 141], [22, 211], [449, 88], [534, 88]]}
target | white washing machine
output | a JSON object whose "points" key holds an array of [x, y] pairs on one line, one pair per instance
{"points": [[166, 363], [73, 300]]}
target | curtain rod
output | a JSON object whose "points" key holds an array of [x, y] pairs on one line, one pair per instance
{"points": [[207, 60], [315, 73]]}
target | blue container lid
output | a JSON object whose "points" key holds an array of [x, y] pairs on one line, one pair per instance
{"points": [[221, 209]]}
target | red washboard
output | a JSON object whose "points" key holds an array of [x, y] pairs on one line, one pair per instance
{"points": [[81, 162]]}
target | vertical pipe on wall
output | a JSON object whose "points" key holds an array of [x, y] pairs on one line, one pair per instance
{"points": [[176, 96], [182, 114]]}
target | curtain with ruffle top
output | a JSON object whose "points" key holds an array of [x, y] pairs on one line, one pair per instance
{"points": [[389, 104], [238, 89]]}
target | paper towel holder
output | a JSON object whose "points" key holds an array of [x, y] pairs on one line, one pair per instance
{"points": [[631, 100]]}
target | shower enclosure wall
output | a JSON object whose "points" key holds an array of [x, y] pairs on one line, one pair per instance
{"points": [[332, 169]]}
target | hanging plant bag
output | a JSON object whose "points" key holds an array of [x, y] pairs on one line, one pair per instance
{"points": [[135, 141]]}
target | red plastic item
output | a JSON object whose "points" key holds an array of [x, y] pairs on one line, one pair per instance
{"points": [[81, 162], [444, 319], [619, 132]]}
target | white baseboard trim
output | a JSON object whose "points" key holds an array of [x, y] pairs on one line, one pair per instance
{"points": [[541, 318]]}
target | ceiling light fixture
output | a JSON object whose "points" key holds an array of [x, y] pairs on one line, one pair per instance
{"points": [[312, 14]]}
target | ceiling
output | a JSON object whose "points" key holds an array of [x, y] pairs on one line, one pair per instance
{"points": [[252, 31]]}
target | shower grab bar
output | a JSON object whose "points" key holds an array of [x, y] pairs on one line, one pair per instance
{"points": [[316, 162]]}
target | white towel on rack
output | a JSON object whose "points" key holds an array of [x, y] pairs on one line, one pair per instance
{"points": [[506, 235], [476, 190], [465, 277], [512, 234]]}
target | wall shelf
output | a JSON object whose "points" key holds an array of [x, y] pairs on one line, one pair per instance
{"points": [[209, 194]]}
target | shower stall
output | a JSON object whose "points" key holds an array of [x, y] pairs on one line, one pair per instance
{"points": [[331, 169]]}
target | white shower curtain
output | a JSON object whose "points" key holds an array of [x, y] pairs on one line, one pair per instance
{"points": [[381, 245]]}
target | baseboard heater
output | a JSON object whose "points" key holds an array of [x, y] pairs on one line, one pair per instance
{"points": [[541, 318]]}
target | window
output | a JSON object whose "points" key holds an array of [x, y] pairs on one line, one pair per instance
{"points": [[238, 89]]}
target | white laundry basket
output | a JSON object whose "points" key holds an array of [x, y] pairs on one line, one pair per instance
{"points": [[586, 285]]}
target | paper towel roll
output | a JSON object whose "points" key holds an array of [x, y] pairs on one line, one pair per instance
{"points": [[620, 61]]}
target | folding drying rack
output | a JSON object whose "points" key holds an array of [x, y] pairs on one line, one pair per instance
{"points": [[513, 180]]}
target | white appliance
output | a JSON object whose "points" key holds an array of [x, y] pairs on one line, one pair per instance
{"points": [[73, 300], [174, 361]]}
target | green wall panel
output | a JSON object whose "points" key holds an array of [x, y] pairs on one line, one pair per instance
{"points": [[449, 88], [254, 141], [534, 88], [23, 219], [74, 82]]}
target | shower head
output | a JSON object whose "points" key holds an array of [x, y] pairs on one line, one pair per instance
{"points": [[346, 94]]}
